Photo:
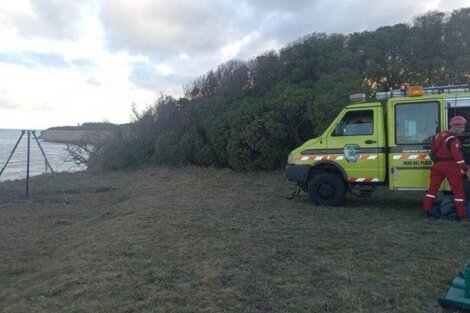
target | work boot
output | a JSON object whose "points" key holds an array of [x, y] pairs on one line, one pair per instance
{"points": [[426, 214]]}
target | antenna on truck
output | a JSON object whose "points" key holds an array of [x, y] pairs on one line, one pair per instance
{"points": [[48, 165]]}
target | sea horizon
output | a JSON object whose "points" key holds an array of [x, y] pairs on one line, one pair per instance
{"points": [[17, 166]]}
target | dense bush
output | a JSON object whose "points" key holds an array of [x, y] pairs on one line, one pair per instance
{"points": [[174, 148]]}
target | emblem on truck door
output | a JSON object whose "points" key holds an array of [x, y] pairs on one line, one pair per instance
{"points": [[351, 153]]}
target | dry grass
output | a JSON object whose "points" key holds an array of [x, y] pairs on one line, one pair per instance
{"points": [[207, 240]]}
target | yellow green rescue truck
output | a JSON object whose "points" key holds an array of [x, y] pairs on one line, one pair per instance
{"points": [[372, 144]]}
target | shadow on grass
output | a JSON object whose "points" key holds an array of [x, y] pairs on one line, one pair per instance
{"points": [[410, 202]]}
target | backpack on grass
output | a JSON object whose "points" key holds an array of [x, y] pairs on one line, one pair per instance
{"points": [[445, 209]]}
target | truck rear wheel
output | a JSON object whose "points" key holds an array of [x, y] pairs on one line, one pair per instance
{"points": [[327, 189]]}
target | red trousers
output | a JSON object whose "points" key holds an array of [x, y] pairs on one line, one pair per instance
{"points": [[449, 170]]}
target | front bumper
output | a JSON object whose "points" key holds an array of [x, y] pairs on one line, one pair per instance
{"points": [[297, 173]]}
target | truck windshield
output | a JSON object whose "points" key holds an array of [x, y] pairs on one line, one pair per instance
{"points": [[416, 123]]}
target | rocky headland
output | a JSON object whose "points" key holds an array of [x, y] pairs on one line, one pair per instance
{"points": [[87, 132]]}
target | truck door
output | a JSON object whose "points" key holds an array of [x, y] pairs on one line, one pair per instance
{"points": [[359, 137], [412, 124]]}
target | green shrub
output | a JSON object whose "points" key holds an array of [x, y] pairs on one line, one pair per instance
{"points": [[172, 148], [122, 154], [205, 156]]}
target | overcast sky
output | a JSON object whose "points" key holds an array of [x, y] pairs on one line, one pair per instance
{"points": [[64, 62]]}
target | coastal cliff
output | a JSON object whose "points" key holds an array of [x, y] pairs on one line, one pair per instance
{"points": [[87, 132]]}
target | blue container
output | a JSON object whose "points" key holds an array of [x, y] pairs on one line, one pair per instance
{"points": [[466, 276]]}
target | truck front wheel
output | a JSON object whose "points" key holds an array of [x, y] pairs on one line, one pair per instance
{"points": [[327, 189]]}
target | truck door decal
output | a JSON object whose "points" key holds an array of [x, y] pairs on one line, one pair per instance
{"points": [[351, 153]]}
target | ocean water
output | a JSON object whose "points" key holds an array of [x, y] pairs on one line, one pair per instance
{"points": [[16, 168]]}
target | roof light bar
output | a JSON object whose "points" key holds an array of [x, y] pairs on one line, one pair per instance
{"points": [[382, 95], [415, 91]]}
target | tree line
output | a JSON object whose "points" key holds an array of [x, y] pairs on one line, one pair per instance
{"points": [[248, 115]]}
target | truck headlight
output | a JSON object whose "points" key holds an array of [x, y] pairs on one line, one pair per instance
{"points": [[290, 159]]}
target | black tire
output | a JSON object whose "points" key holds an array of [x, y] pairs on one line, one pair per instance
{"points": [[327, 189]]}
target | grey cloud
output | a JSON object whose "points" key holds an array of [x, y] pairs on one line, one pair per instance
{"points": [[166, 29], [34, 59], [334, 16], [297, 5], [51, 19], [146, 76], [143, 75], [337, 16]]}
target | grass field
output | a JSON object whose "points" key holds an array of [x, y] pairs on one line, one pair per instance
{"points": [[208, 240]]}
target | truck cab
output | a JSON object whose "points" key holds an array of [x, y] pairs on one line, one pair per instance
{"points": [[375, 143]]}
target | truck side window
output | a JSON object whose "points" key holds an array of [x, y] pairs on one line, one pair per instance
{"points": [[356, 123], [416, 123]]}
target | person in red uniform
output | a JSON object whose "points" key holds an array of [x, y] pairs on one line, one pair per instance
{"points": [[450, 164]]}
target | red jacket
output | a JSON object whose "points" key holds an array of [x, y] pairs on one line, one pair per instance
{"points": [[446, 147]]}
